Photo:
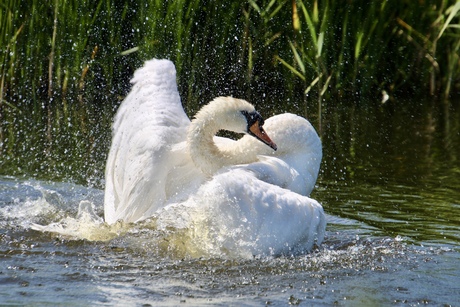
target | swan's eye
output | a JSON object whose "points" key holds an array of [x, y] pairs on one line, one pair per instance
{"points": [[255, 123], [252, 118]]}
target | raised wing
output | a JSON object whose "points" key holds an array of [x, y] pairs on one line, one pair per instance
{"points": [[149, 121]]}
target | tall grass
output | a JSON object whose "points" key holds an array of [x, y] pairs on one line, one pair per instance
{"points": [[57, 80], [444, 32], [65, 65]]}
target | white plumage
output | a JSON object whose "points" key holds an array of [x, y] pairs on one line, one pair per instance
{"points": [[147, 124], [233, 195]]}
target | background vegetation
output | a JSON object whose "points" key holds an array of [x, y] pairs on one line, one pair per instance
{"points": [[65, 65]]}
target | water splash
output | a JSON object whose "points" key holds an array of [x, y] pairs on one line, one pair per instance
{"points": [[87, 225], [198, 228], [178, 232]]}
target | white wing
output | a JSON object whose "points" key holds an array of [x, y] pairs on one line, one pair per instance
{"points": [[149, 121]]}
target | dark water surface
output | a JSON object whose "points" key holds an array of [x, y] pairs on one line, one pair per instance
{"points": [[390, 184]]}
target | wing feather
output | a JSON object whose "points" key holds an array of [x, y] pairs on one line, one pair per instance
{"points": [[149, 121]]}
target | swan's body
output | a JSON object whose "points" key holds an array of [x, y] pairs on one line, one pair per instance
{"points": [[162, 164]]}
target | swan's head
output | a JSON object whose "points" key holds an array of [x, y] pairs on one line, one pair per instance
{"points": [[239, 116], [255, 128]]}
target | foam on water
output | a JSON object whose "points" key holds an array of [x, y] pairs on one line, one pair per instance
{"points": [[190, 230], [32, 205], [194, 229], [178, 232]]}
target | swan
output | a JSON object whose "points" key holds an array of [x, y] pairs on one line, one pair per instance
{"points": [[253, 192], [260, 208]]}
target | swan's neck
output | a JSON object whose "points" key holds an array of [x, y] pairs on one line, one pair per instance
{"points": [[203, 150]]}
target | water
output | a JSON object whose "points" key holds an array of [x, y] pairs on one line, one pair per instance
{"points": [[389, 185]]}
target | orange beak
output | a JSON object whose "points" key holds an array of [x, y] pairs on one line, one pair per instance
{"points": [[259, 132]]}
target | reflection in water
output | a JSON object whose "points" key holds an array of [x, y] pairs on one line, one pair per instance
{"points": [[407, 144], [394, 169], [389, 185], [424, 216]]}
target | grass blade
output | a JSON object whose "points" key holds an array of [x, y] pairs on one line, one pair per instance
{"points": [[310, 25], [320, 44], [298, 58], [292, 69], [313, 83], [454, 10]]}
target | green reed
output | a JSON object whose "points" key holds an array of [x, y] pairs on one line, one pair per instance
{"points": [[65, 65], [57, 80], [439, 44]]}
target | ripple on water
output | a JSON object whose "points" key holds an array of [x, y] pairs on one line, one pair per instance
{"points": [[357, 264]]}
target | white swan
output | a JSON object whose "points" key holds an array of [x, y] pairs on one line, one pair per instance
{"points": [[261, 207], [243, 193]]}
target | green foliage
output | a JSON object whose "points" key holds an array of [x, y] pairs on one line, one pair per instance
{"points": [[65, 65]]}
